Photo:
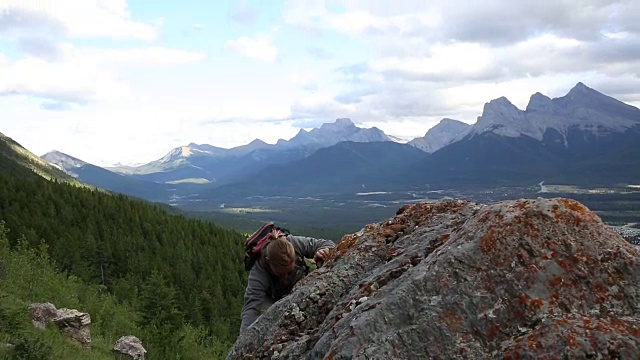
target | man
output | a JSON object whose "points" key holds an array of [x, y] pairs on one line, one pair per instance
{"points": [[280, 266]]}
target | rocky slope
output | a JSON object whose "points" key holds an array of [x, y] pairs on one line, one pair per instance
{"points": [[519, 279]]}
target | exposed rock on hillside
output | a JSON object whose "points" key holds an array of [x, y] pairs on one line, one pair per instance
{"points": [[130, 347], [75, 324], [522, 279]]}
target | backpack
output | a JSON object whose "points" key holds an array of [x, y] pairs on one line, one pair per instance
{"points": [[255, 243]]}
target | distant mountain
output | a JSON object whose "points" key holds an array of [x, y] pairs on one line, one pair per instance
{"points": [[346, 167], [206, 163], [105, 179], [551, 139], [332, 133], [187, 158], [582, 109], [17, 161], [441, 135]]}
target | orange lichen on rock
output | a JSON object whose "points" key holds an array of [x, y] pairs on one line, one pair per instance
{"points": [[346, 243], [452, 320], [575, 206], [488, 241], [536, 304]]}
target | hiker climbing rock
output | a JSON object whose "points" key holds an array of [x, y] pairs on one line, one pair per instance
{"points": [[276, 261]]}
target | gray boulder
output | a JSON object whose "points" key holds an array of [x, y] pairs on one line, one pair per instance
{"points": [[130, 346], [75, 324], [521, 279]]}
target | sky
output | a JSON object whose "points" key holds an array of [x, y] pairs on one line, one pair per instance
{"points": [[124, 82]]}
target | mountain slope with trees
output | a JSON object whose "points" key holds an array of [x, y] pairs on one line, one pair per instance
{"points": [[14, 159], [182, 279]]}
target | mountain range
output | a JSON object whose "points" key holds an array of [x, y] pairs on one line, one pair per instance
{"points": [[584, 137], [577, 139], [202, 163]]}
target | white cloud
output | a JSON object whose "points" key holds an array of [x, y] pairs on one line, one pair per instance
{"points": [[446, 61], [259, 48], [72, 81], [84, 75], [77, 18], [147, 56]]}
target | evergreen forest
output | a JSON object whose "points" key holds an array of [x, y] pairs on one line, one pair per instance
{"points": [[176, 283]]}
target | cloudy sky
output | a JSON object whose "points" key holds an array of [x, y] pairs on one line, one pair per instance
{"points": [[116, 81]]}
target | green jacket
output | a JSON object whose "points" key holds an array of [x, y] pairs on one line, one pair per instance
{"points": [[264, 288]]}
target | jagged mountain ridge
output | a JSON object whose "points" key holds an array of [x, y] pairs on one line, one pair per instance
{"points": [[550, 140], [582, 108], [343, 129]]}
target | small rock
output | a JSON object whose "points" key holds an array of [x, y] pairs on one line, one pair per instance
{"points": [[130, 346]]}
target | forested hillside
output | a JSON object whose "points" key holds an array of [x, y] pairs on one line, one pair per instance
{"points": [[14, 159], [173, 273]]}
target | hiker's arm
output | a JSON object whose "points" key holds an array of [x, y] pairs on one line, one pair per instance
{"points": [[309, 246], [256, 296]]}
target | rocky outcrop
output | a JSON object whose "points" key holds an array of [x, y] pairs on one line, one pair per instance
{"points": [[75, 324], [130, 347], [41, 313], [519, 279]]}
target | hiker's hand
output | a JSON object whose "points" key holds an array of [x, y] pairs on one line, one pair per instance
{"points": [[321, 255], [276, 234]]}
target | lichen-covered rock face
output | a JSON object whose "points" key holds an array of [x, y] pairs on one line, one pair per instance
{"points": [[519, 279]]}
